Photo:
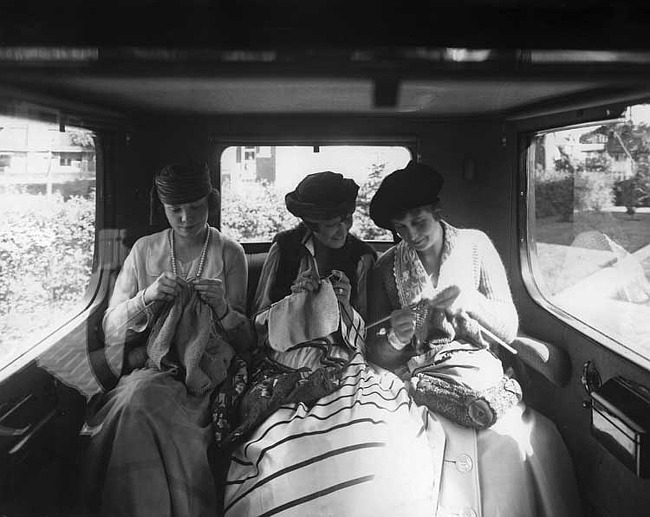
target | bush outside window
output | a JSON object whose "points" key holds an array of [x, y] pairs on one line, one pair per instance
{"points": [[47, 229], [255, 179], [589, 224]]}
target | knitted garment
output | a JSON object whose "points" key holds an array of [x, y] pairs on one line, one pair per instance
{"points": [[128, 318], [292, 249], [302, 317], [184, 337]]}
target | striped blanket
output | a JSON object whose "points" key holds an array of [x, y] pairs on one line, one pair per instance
{"points": [[364, 450]]}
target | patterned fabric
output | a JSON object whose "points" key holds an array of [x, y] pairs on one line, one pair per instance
{"points": [[471, 408], [413, 282], [274, 386], [353, 328], [363, 450], [226, 400]]}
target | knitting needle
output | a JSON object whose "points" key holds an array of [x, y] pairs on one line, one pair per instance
{"points": [[497, 339], [444, 295], [481, 328], [382, 320]]}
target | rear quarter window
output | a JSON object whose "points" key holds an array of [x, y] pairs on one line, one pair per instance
{"points": [[588, 227]]}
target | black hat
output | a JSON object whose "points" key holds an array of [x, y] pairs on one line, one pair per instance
{"points": [[403, 190], [176, 184], [182, 183], [322, 195]]}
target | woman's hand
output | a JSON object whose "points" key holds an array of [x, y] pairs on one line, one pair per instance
{"points": [[403, 323], [165, 288], [342, 286], [456, 301], [212, 292], [307, 281]]}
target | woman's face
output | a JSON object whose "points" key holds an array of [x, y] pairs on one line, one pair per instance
{"points": [[419, 228], [333, 232], [188, 219]]}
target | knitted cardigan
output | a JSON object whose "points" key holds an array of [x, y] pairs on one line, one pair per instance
{"points": [[470, 261]]}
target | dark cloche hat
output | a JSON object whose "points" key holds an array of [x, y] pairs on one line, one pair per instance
{"points": [[322, 195], [182, 183], [403, 190]]}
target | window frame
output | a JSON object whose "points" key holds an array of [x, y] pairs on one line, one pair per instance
{"points": [[411, 143], [525, 128]]}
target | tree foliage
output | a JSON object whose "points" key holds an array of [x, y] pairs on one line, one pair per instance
{"points": [[628, 138], [81, 138], [364, 227], [580, 185], [633, 140], [46, 252], [254, 213], [257, 211]]}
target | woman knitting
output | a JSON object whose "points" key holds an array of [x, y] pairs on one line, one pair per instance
{"points": [[443, 295], [184, 288]]}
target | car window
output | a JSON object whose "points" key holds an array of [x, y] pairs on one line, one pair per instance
{"points": [[589, 225], [255, 179], [47, 229]]}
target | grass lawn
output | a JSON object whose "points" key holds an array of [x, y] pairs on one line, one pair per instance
{"points": [[632, 233], [563, 265], [590, 283]]}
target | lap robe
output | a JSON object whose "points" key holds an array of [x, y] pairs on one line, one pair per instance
{"points": [[368, 450], [365, 449]]}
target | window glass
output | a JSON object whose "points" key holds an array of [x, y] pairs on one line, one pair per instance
{"points": [[255, 179], [589, 224], [47, 229]]}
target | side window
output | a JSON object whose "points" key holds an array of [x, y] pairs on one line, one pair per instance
{"points": [[255, 179], [47, 229], [589, 225]]}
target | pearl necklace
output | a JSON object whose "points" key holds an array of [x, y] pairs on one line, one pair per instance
{"points": [[204, 251]]}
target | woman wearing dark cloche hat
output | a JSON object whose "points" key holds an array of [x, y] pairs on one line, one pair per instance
{"points": [[442, 304], [177, 316]]}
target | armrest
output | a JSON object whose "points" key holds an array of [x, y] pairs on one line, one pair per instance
{"points": [[550, 360]]}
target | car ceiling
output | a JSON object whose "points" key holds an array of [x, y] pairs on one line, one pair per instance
{"points": [[453, 58], [418, 82]]}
